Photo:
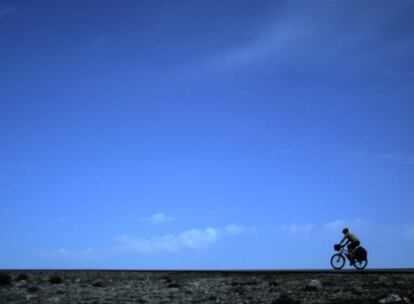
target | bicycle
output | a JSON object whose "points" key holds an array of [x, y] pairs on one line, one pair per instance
{"points": [[338, 259]]}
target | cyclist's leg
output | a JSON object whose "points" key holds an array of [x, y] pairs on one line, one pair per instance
{"points": [[355, 245], [351, 248]]}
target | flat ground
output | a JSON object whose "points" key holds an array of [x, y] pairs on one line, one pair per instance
{"points": [[99, 286]]}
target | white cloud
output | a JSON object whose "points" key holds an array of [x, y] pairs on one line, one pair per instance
{"points": [[189, 239], [295, 228], [88, 253], [339, 224], [236, 229], [158, 218]]}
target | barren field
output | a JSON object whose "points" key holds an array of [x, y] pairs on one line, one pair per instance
{"points": [[275, 287]]}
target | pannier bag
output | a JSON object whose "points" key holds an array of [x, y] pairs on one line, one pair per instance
{"points": [[360, 254]]}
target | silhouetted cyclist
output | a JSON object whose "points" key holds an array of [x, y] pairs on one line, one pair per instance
{"points": [[352, 241]]}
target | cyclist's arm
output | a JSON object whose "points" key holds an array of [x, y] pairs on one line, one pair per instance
{"points": [[343, 241]]}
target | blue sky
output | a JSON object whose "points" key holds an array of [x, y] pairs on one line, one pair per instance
{"points": [[205, 134]]}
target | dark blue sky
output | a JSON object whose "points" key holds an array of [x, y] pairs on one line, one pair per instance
{"points": [[205, 134]]}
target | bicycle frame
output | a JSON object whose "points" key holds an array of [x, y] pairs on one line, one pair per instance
{"points": [[345, 252]]}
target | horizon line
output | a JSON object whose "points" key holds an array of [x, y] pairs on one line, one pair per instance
{"points": [[316, 270]]}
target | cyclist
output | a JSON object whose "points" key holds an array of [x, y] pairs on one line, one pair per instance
{"points": [[352, 241]]}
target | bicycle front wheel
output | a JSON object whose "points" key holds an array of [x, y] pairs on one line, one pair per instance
{"points": [[337, 261]]}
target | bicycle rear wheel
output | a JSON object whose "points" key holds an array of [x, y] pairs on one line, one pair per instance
{"points": [[337, 261], [361, 264]]}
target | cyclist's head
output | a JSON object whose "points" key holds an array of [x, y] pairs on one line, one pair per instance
{"points": [[345, 231]]}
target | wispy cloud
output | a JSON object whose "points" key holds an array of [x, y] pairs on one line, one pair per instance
{"points": [[190, 239], [6, 10], [158, 218], [88, 253], [295, 228], [337, 225], [272, 41], [401, 158], [318, 33], [237, 229]]}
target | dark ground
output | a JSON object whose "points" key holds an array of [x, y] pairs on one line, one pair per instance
{"points": [[276, 287]]}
